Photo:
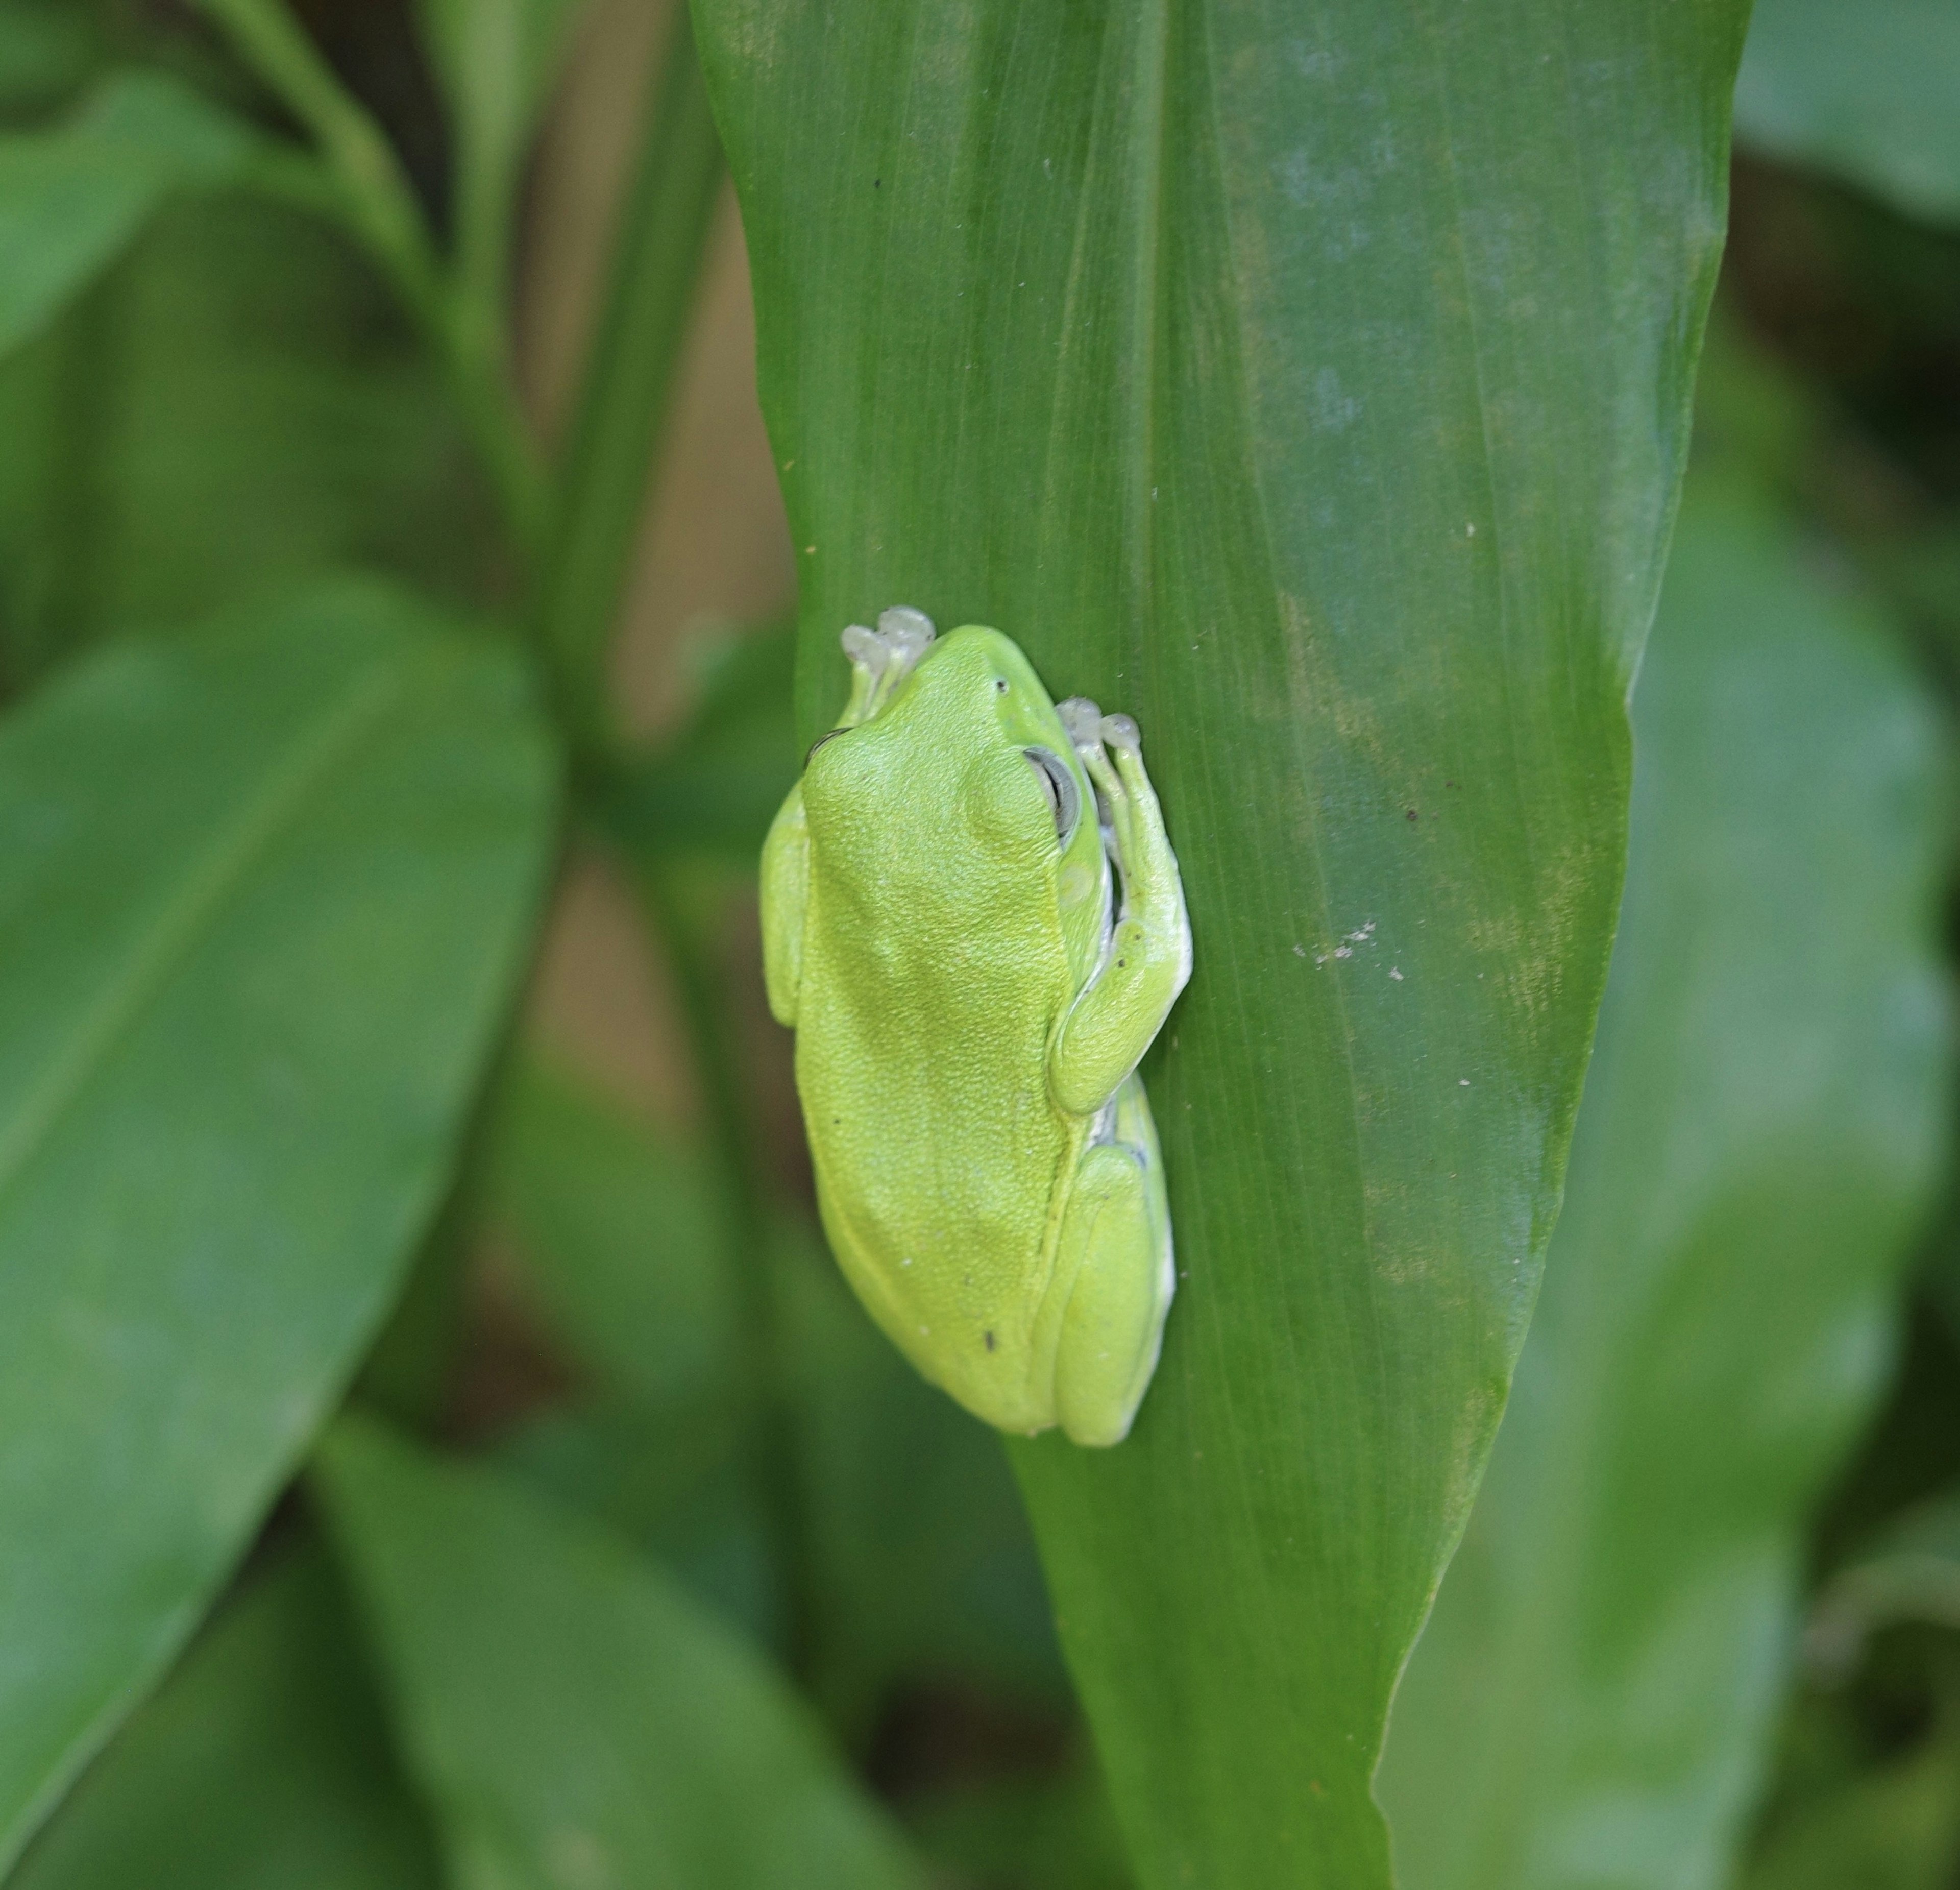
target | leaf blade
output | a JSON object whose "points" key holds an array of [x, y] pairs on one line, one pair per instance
{"points": [[71, 199], [1315, 388], [262, 1762], [572, 1716], [1597, 1681], [264, 895]]}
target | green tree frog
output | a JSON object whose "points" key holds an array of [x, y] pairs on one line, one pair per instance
{"points": [[970, 1000]]}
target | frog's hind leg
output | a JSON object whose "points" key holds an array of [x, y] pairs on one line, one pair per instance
{"points": [[1115, 1242]]}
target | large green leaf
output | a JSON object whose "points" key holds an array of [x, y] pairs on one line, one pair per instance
{"points": [[1591, 1700], [263, 895], [71, 199], [1864, 88], [1311, 383], [262, 1764], [574, 1718]]}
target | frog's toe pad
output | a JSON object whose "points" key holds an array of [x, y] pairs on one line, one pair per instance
{"points": [[865, 647], [906, 632], [1123, 734], [1083, 722]]}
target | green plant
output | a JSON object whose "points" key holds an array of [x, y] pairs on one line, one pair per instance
{"points": [[1314, 384]]}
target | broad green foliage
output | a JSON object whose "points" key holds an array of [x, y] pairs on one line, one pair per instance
{"points": [[1593, 1697], [71, 198], [262, 896], [1863, 88], [262, 1764], [1313, 386], [573, 1718]]}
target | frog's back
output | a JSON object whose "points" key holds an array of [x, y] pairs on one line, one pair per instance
{"points": [[933, 975]]}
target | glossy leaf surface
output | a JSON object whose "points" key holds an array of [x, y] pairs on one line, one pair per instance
{"points": [[263, 896], [1865, 91], [262, 1764], [1311, 384], [574, 1719], [70, 199], [1592, 1698]]}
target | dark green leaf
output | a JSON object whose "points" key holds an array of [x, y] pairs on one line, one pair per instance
{"points": [[71, 199], [575, 1718], [918, 1547], [264, 894], [234, 406], [496, 60], [1864, 90], [1592, 1698], [262, 1764], [715, 787], [1910, 1573], [1896, 1828], [46, 49], [1038, 1833], [1312, 384], [618, 1232]]}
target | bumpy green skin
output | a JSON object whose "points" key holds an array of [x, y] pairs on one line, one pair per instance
{"points": [[968, 1021]]}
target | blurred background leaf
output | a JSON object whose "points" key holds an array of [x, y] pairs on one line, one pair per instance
{"points": [[233, 407], [1592, 1697], [1865, 91], [264, 893], [1315, 388], [263, 1763], [574, 1719], [71, 199], [495, 60]]}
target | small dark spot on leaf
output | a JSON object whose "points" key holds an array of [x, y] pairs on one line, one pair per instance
{"points": [[1001, 683], [990, 1341], [1121, 963], [876, 182], [1411, 813], [1449, 784]]}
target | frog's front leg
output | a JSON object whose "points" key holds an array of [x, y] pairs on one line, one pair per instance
{"points": [[1115, 1016], [881, 661], [1113, 1258], [785, 898]]}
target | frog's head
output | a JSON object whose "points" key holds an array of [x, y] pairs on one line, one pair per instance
{"points": [[959, 730]]}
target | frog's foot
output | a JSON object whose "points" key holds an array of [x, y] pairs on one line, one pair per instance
{"points": [[1116, 1240], [1147, 959], [882, 659]]}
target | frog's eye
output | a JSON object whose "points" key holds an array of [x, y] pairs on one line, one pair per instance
{"points": [[819, 743], [1063, 796]]}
